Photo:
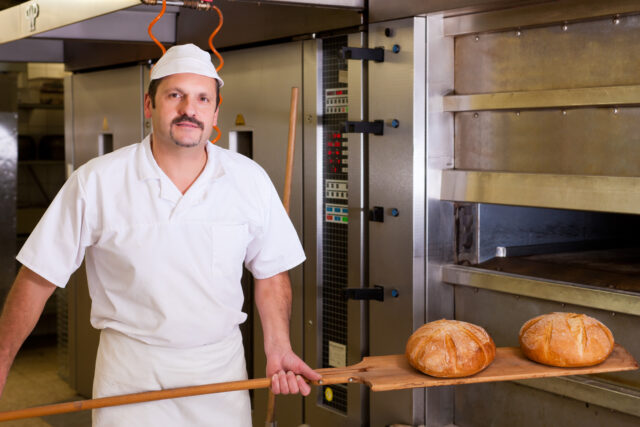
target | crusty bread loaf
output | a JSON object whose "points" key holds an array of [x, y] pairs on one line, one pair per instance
{"points": [[566, 340], [450, 349]]}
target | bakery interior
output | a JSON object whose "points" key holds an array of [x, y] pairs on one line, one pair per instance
{"points": [[474, 160]]}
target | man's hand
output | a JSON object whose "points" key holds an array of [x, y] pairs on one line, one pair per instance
{"points": [[287, 371], [273, 299]]}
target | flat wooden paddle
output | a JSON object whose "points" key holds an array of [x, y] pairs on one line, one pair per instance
{"points": [[385, 373], [380, 373]]}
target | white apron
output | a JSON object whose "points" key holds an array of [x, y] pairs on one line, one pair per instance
{"points": [[125, 365]]}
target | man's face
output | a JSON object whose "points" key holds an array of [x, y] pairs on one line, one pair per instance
{"points": [[185, 110]]}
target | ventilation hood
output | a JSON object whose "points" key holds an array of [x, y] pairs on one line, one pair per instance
{"points": [[116, 30]]}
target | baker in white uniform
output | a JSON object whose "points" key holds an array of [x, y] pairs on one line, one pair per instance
{"points": [[165, 226]]}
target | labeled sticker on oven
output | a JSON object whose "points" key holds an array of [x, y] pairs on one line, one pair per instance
{"points": [[337, 355]]}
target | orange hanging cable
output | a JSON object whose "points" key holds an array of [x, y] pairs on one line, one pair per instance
{"points": [[217, 54], [156, 19], [213, 34]]}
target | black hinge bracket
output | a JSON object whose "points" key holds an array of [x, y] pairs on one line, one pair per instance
{"points": [[363, 53], [376, 293], [375, 127], [376, 214]]}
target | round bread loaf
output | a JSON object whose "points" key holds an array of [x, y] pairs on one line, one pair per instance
{"points": [[566, 340], [450, 349]]}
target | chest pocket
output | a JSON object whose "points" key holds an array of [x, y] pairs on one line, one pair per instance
{"points": [[229, 249]]}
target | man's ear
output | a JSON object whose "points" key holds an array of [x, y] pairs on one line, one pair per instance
{"points": [[215, 115], [147, 106]]}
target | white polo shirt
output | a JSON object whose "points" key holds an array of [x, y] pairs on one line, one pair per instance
{"points": [[162, 267]]}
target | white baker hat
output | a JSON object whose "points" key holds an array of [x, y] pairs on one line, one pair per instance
{"points": [[186, 58]]}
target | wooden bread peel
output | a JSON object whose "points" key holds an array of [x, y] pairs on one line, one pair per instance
{"points": [[385, 373], [380, 373]]}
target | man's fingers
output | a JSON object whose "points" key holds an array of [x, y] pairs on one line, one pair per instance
{"points": [[275, 384], [309, 373], [284, 385], [292, 383], [303, 386]]}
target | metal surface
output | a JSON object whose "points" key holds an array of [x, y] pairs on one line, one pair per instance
{"points": [[384, 10], [80, 55], [593, 193], [313, 212], [570, 293], [550, 141], [592, 391], [397, 180], [258, 85], [9, 99], [119, 107], [439, 214], [357, 274], [587, 54], [357, 4], [531, 133], [246, 22], [8, 189], [511, 404], [502, 315], [31, 50], [500, 225], [131, 25], [550, 248], [537, 14], [53, 14], [597, 96]]}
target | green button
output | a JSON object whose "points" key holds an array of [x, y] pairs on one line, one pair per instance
{"points": [[345, 219]]}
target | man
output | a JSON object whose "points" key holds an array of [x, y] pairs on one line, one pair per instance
{"points": [[166, 225]]}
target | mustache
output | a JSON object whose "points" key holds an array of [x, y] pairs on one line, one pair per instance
{"points": [[185, 118]]}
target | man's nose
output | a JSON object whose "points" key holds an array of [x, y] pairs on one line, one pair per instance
{"points": [[187, 106]]}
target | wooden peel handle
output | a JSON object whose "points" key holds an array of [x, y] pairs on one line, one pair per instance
{"points": [[148, 396], [286, 202], [290, 148]]}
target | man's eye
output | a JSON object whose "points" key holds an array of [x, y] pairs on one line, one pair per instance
{"points": [[174, 95], [204, 99]]}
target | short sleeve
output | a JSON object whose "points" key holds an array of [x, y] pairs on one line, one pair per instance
{"points": [[276, 247], [55, 248]]}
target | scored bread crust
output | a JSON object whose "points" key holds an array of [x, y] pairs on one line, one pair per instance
{"points": [[450, 349], [566, 340]]}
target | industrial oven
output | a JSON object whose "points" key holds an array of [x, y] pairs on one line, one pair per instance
{"points": [[479, 163]]}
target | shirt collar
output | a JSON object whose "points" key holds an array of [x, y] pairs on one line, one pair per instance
{"points": [[148, 168]]}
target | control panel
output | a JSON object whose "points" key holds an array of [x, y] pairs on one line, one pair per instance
{"points": [[338, 153], [335, 200], [336, 101]]}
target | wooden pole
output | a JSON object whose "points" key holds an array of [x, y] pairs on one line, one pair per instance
{"points": [[290, 148], [286, 201], [147, 396]]}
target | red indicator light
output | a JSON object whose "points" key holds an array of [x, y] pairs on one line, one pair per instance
{"points": [[329, 153], [335, 169], [339, 92], [330, 160], [329, 217], [339, 135], [338, 161]]}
